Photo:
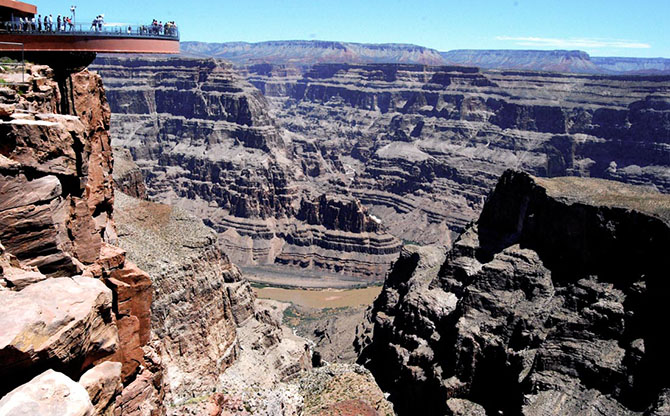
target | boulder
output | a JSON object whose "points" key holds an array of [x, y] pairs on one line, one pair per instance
{"points": [[140, 397], [62, 323], [49, 394], [15, 276], [103, 384]]}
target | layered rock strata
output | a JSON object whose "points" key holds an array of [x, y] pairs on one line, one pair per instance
{"points": [[206, 140], [421, 146], [418, 146], [545, 305], [70, 297]]}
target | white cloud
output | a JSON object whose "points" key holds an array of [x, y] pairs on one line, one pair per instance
{"points": [[583, 43]]}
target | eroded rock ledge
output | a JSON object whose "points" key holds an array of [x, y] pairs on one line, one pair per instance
{"points": [[546, 305], [70, 299]]}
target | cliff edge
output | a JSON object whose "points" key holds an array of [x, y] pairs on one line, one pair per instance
{"points": [[72, 306], [548, 304]]}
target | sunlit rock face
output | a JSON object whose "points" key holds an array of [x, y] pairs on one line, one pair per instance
{"points": [[71, 300], [199, 295], [545, 305]]}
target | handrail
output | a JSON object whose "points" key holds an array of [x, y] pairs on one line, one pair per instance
{"points": [[131, 31]]}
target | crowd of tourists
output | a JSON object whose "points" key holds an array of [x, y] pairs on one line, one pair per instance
{"points": [[158, 28], [66, 24], [41, 24], [97, 23]]}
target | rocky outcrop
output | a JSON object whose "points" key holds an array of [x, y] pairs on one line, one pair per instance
{"points": [[336, 214], [342, 389], [49, 394], [545, 305], [103, 384], [56, 205], [128, 177], [60, 323], [199, 295], [206, 140], [70, 298]]}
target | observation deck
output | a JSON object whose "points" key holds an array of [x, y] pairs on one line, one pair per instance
{"points": [[31, 37]]}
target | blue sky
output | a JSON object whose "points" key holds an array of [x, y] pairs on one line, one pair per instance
{"points": [[602, 28]]}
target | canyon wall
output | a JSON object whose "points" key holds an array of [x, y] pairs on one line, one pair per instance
{"points": [[421, 146], [222, 350], [546, 305], [207, 141], [71, 301]]}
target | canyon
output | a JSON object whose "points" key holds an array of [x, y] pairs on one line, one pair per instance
{"points": [[204, 139], [353, 158], [84, 330], [539, 202]]}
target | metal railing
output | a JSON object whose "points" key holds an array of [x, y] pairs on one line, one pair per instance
{"points": [[131, 31]]}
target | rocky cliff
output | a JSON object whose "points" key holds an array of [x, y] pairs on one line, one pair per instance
{"points": [[421, 146], [71, 301], [199, 297], [127, 176], [546, 305], [207, 141]]}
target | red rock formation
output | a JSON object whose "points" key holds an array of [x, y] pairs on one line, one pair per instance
{"points": [[56, 207]]}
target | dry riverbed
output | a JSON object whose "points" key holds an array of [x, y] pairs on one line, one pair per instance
{"points": [[321, 298]]}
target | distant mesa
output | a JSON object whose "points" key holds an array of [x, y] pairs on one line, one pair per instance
{"points": [[554, 61], [311, 52]]}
